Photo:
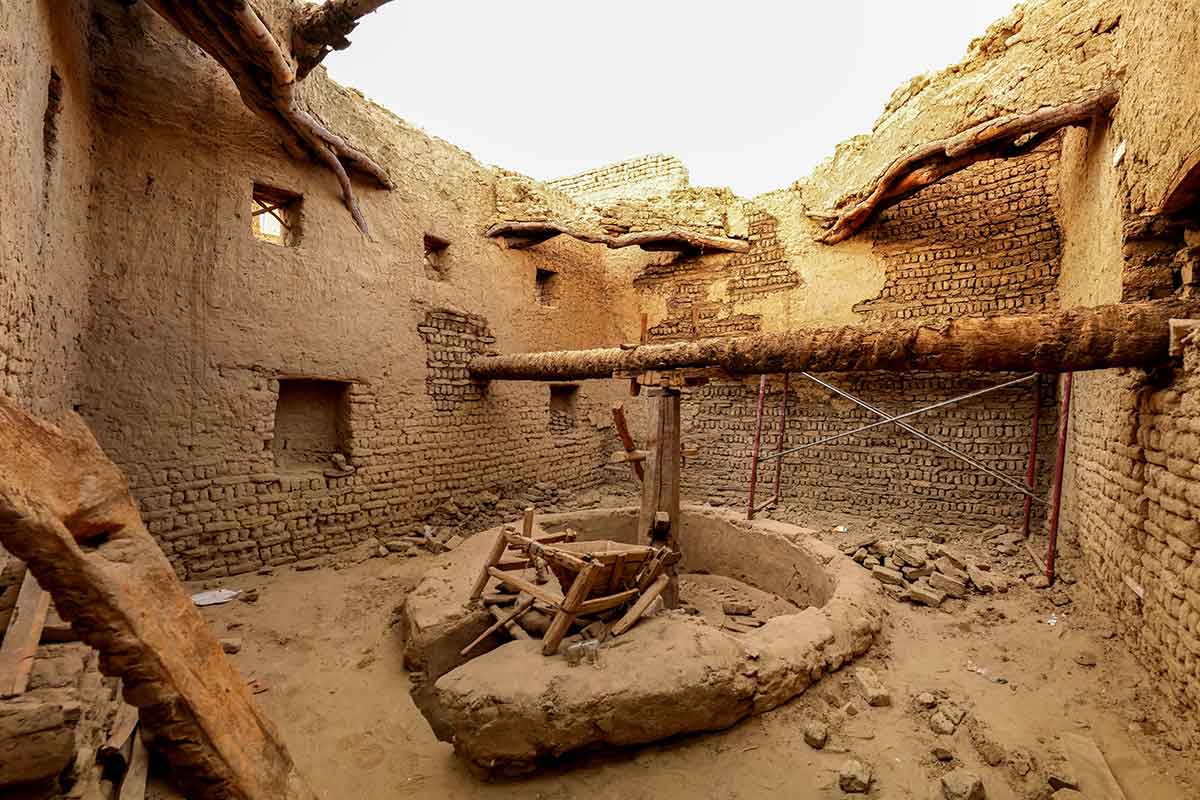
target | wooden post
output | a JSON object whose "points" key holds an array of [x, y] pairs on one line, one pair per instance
{"points": [[660, 487], [569, 608], [21, 640]]}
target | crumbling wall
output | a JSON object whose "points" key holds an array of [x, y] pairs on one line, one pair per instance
{"points": [[647, 176], [1132, 487], [197, 321], [45, 139]]}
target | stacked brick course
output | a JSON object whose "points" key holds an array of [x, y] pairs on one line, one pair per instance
{"points": [[452, 339], [984, 241], [647, 176], [881, 473]]}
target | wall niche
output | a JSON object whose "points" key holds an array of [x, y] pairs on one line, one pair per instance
{"points": [[311, 424]]}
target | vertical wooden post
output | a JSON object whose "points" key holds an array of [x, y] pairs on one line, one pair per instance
{"points": [[660, 486], [1031, 469]]}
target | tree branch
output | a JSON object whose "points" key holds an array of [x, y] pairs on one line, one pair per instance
{"points": [[237, 38], [319, 29], [1003, 137]]}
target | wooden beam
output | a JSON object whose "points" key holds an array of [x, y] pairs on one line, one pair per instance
{"points": [[671, 239], [541, 593], [20, 644], [569, 609], [596, 605], [67, 512], [1074, 340], [503, 621], [637, 609], [514, 630]]}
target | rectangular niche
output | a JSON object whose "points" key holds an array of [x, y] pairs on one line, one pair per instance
{"points": [[275, 215], [311, 424], [436, 268], [563, 398], [547, 286]]}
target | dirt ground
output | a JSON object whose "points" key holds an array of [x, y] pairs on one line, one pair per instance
{"points": [[320, 643]]}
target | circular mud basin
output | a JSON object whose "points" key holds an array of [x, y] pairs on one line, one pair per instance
{"points": [[766, 611]]}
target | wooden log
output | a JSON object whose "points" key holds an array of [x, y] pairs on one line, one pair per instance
{"points": [[569, 609], [1003, 137], [1075, 340], [513, 629], [66, 511], [633, 457], [660, 489], [520, 584], [504, 620], [20, 644], [637, 609]]}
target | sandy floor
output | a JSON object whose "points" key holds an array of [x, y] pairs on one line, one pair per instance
{"points": [[321, 643]]}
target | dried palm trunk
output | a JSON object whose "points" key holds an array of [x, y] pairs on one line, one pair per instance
{"points": [[1124, 335]]}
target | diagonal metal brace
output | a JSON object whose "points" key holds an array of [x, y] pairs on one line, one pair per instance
{"points": [[926, 437]]}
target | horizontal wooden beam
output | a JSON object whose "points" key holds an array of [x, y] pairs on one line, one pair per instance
{"points": [[1078, 339], [526, 234]]}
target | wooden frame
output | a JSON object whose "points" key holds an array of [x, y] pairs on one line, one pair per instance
{"points": [[592, 582]]}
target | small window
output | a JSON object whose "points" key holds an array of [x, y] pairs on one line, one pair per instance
{"points": [[275, 215], [435, 258], [547, 286], [562, 407], [311, 426]]}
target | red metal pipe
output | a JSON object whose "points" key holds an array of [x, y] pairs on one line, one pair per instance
{"points": [[782, 429], [1064, 418], [1031, 471], [762, 394]]}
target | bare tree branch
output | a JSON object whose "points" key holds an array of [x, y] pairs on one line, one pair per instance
{"points": [[1003, 137], [319, 29], [233, 33]]}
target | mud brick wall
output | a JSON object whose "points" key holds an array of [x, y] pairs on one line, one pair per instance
{"points": [[1134, 513], [765, 269], [646, 176], [984, 241], [452, 339], [45, 146], [882, 473]]}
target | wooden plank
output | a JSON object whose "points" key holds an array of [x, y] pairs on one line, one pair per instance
{"points": [[569, 609], [614, 582], [598, 604], [133, 785], [618, 413], [1096, 781], [117, 751], [504, 620], [21, 639], [514, 630], [637, 609], [634, 457], [540, 592], [498, 548]]}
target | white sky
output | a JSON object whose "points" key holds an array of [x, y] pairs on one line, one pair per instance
{"points": [[750, 94]]}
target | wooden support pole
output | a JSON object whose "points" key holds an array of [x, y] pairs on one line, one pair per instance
{"points": [[660, 488], [514, 630], [21, 640], [618, 413]]}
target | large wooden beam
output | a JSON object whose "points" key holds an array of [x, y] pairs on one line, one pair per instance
{"points": [[1003, 137], [1122, 335], [66, 510]]}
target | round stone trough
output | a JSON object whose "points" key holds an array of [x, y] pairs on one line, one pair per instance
{"points": [[511, 708]]}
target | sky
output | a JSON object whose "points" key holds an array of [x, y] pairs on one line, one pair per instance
{"points": [[749, 94]]}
